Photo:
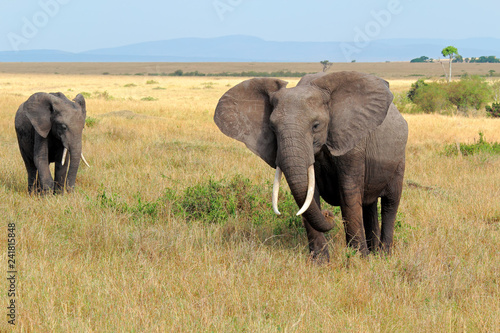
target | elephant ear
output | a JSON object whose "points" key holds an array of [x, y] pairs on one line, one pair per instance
{"points": [[39, 108], [80, 100], [243, 114], [358, 104]]}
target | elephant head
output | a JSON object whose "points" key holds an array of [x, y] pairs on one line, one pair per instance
{"points": [[288, 127], [54, 115]]}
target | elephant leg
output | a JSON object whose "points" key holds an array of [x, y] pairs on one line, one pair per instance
{"points": [[352, 214], [372, 228], [32, 178], [318, 245], [390, 204], [41, 160]]}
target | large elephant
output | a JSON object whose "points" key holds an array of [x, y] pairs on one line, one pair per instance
{"points": [[336, 136], [47, 127]]}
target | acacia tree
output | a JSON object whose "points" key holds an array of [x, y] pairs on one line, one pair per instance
{"points": [[326, 64], [451, 52]]}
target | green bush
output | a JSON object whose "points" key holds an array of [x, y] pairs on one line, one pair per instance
{"points": [[431, 97], [420, 83], [137, 210], [493, 110], [218, 201], [470, 149], [91, 122], [470, 92]]}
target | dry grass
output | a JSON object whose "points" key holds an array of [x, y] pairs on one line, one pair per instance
{"points": [[387, 70], [88, 267]]}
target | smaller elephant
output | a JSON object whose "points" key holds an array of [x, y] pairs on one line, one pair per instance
{"points": [[48, 126]]}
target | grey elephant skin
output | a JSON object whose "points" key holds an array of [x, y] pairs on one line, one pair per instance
{"points": [[46, 124], [337, 136]]}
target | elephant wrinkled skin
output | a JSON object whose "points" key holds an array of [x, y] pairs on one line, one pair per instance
{"points": [[340, 129], [48, 126]]}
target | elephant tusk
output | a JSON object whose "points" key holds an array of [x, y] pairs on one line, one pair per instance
{"points": [[85, 161], [310, 190], [276, 189], [65, 152]]}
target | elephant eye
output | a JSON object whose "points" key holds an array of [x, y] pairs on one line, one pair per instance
{"points": [[64, 127], [315, 126]]}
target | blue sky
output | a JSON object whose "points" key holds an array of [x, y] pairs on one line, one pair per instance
{"points": [[76, 25]]}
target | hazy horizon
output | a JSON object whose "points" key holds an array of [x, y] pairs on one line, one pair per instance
{"points": [[73, 26]]}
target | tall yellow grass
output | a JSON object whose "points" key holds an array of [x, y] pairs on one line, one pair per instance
{"points": [[87, 268]]}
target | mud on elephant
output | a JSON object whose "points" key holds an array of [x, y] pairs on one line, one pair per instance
{"points": [[48, 126], [336, 136]]}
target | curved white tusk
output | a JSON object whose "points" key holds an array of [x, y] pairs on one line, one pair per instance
{"points": [[310, 190], [65, 152], [85, 161], [276, 189]]}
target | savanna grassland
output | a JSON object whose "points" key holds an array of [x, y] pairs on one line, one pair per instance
{"points": [[171, 229]]}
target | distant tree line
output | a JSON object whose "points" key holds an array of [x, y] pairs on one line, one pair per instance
{"points": [[422, 59], [482, 59], [459, 58], [281, 73]]}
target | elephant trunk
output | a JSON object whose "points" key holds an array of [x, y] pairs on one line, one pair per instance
{"points": [[75, 155], [298, 172]]}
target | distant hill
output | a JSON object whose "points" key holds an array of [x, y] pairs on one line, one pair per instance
{"points": [[252, 49]]}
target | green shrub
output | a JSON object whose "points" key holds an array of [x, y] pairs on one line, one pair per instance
{"points": [[470, 149], [138, 210], [420, 83], [218, 201], [128, 85], [152, 82], [470, 92], [493, 110], [86, 94], [91, 122], [431, 97]]}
